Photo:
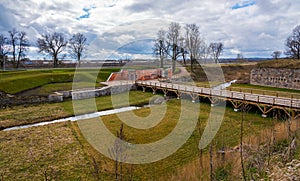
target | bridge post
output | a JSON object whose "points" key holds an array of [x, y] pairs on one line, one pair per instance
{"points": [[154, 90], [165, 91]]}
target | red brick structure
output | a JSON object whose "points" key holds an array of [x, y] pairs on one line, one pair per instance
{"points": [[145, 74]]}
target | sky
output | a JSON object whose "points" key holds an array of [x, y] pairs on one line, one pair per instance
{"points": [[127, 28]]}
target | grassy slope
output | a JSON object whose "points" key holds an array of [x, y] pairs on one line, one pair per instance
{"points": [[18, 81], [281, 63], [21, 115]]}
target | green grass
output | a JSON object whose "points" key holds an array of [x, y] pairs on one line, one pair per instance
{"points": [[20, 115], [16, 145], [228, 135], [18, 81]]}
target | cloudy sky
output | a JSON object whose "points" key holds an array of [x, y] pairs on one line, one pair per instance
{"points": [[117, 28]]}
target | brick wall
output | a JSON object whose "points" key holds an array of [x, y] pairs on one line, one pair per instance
{"points": [[283, 78]]}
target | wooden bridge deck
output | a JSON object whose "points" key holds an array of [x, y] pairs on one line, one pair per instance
{"points": [[265, 100]]}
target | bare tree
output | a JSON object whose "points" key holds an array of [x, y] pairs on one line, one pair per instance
{"points": [[3, 50], [13, 38], [240, 57], [118, 152], [53, 45], [22, 46], [293, 43], [245, 109], [160, 47], [216, 49], [194, 43], [173, 36], [77, 44], [276, 54]]}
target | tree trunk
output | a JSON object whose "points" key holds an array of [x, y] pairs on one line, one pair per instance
{"points": [[19, 58], [174, 58], [78, 59], [14, 55], [55, 60], [161, 62], [192, 61], [183, 57]]}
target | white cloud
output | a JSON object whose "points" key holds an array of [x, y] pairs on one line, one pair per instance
{"points": [[255, 29]]}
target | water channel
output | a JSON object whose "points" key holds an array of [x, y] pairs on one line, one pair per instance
{"points": [[77, 118]]}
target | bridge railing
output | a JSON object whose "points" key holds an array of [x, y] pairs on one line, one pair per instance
{"points": [[266, 92], [292, 101]]}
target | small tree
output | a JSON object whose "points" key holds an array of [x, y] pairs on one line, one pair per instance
{"points": [[216, 50], [53, 45], [77, 44], [194, 42], [118, 153], [13, 38], [3, 50], [22, 46], [293, 44], [173, 37], [276, 54], [240, 57], [160, 47]]}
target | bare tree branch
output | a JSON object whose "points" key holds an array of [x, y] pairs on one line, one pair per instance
{"points": [[4, 49], [293, 44], [77, 44], [13, 38], [53, 45], [216, 49], [22, 46]]}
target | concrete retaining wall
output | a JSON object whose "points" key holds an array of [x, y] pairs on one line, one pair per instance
{"points": [[85, 94]]}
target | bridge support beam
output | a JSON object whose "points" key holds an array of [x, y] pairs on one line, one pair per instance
{"points": [[154, 90], [194, 97], [178, 93], [265, 109], [236, 105], [165, 91], [213, 101]]}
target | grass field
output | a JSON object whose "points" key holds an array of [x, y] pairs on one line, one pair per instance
{"points": [[59, 150], [18, 81], [20, 115], [280, 63]]}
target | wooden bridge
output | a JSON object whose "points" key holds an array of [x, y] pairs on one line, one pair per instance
{"points": [[266, 103]]}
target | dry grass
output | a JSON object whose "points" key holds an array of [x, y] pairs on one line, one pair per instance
{"points": [[29, 114], [51, 152], [239, 72], [195, 171], [281, 63], [21, 115], [67, 141]]}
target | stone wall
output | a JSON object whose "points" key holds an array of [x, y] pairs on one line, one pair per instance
{"points": [[85, 94], [282, 78]]}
